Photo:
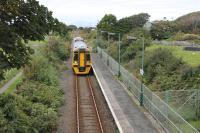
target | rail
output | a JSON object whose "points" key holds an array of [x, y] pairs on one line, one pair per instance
{"points": [[89, 119]]}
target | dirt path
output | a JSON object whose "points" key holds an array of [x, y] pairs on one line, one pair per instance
{"points": [[9, 83]]}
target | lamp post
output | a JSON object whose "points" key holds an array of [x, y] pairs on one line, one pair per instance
{"points": [[141, 70], [101, 38], [119, 46], [109, 34], [119, 73], [142, 73]]}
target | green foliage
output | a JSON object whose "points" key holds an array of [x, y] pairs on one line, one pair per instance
{"points": [[40, 69], [56, 47], [131, 51], [163, 71], [34, 105], [127, 24], [160, 68], [122, 26], [36, 92], [131, 48], [190, 77], [162, 29], [113, 50], [22, 21], [107, 23], [25, 115], [190, 57]]}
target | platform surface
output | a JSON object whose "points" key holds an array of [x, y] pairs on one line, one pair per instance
{"points": [[128, 117]]}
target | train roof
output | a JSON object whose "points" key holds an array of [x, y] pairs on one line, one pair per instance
{"points": [[78, 39], [80, 45]]}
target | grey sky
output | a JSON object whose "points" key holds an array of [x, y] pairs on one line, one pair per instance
{"points": [[89, 12]]}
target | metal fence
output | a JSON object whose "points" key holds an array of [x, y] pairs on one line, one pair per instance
{"points": [[177, 43], [185, 102], [170, 120]]}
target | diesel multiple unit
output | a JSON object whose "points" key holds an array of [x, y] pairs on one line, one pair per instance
{"points": [[81, 59]]}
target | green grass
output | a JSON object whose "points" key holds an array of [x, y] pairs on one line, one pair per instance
{"points": [[196, 124], [38, 43], [12, 87], [32, 43], [190, 57]]}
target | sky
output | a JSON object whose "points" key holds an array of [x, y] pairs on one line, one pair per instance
{"points": [[87, 13]]}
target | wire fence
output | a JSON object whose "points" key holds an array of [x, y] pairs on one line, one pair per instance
{"points": [[170, 120], [185, 102]]}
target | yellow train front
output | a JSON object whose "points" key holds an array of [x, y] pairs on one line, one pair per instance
{"points": [[81, 60]]}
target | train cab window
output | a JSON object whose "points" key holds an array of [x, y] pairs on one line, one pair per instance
{"points": [[88, 56], [75, 57]]}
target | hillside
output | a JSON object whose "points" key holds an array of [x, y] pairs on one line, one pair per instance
{"points": [[189, 22]]}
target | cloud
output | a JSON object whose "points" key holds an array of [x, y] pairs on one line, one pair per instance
{"points": [[89, 12]]}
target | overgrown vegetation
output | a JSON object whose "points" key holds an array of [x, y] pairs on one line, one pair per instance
{"points": [[164, 71], [33, 106]]}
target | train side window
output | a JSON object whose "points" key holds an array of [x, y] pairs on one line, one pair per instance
{"points": [[88, 56], [75, 56]]}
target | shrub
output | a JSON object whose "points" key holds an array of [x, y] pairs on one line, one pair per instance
{"points": [[33, 109], [57, 48], [161, 68], [41, 93], [186, 37], [163, 30], [41, 70]]}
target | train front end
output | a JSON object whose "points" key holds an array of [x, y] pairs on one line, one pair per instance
{"points": [[81, 62]]}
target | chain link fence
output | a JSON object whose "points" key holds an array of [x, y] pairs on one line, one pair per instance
{"points": [[170, 120], [185, 102]]}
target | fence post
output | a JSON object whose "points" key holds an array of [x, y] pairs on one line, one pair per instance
{"points": [[197, 104]]}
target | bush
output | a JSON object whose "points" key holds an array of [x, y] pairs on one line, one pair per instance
{"points": [[161, 68], [57, 48], [36, 92], [133, 49], [163, 30], [185, 37], [33, 109], [41, 70]]}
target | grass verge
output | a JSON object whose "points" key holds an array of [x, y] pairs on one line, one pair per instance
{"points": [[190, 57], [12, 87]]}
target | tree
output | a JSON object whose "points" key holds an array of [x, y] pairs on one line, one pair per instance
{"points": [[107, 23], [189, 23], [163, 29], [72, 27], [21, 21], [124, 25]]}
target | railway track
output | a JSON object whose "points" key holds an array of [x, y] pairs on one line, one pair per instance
{"points": [[87, 114]]}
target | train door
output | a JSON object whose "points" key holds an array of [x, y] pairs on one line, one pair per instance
{"points": [[82, 61]]}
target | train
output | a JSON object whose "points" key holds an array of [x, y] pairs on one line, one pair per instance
{"points": [[81, 57]]}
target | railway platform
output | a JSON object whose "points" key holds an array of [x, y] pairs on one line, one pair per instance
{"points": [[127, 115]]}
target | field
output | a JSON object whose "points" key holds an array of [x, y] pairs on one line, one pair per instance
{"points": [[190, 57]]}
